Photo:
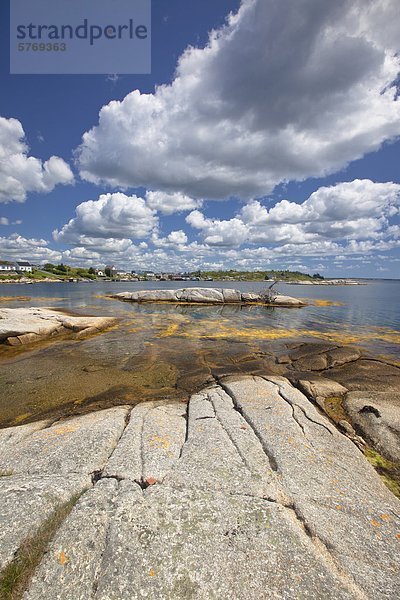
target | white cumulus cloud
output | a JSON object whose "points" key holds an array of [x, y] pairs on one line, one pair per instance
{"points": [[21, 173], [356, 210], [169, 203], [113, 216], [284, 91], [35, 250]]}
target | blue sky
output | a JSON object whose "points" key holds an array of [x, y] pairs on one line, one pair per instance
{"points": [[271, 143]]}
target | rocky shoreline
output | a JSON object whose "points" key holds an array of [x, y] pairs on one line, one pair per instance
{"points": [[248, 492], [27, 280], [198, 295]]}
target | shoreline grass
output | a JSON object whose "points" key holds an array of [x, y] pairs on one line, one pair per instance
{"points": [[15, 578]]}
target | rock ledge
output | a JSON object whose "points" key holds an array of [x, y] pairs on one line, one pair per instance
{"points": [[27, 325], [249, 493], [196, 295]]}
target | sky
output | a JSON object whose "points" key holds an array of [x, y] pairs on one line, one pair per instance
{"points": [[265, 137]]}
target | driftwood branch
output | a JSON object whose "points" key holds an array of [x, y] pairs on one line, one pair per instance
{"points": [[269, 295]]}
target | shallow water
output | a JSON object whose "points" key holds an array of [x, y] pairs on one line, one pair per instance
{"points": [[169, 351]]}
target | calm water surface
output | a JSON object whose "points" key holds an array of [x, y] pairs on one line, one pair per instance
{"points": [[167, 351]]}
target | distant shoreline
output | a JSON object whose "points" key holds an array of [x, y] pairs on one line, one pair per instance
{"points": [[325, 282]]}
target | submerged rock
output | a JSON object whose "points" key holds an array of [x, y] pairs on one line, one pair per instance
{"points": [[26, 325], [282, 300], [205, 296], [250, 493]]}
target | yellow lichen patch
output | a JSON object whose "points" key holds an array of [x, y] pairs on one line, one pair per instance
{"points": [[15, 298], [79, 401], [219, 331], [170, 330], [342, 338], [389, 359], [60, 430], [361, 335], [157, 441], [375, 523], [21, 418], [322, 302], [49, 299]]}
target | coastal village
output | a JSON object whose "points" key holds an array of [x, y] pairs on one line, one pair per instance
{"points": [[26, 272]]}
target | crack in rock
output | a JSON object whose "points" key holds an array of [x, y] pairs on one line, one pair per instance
{"points": [[127, 420], [271, 458], [325, 552], [230, 437], [282, 394]]}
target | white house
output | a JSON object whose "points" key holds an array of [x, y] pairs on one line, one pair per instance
{"points": [[23, 266], [6, 267]]}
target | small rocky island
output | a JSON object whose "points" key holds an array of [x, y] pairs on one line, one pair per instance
{"points": [[196, 295], [28, 325], [248, 492]]}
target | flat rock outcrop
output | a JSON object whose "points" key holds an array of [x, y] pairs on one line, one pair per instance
{"points": [[248, 493], [27, 325], [205, 296], [359, 392], [377, 416]]}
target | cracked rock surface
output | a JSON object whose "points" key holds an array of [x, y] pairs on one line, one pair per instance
{"points": [[251, 493], [359, 392]]}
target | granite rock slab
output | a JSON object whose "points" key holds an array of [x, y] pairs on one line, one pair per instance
{"points": [[151, 443], [222, 452], [26, 502], [209, 545], [77, 445], [74, 559], [332, 487], [252, 494], [204, 296], [27, 325]]}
